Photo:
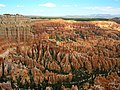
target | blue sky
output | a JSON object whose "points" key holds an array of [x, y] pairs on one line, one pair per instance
{"points": [[60, 7]]}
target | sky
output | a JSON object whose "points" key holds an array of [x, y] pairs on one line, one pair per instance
{"points": [[59, 7]]}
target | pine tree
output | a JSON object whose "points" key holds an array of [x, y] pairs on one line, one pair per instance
{"points": [[39, 86], [32, 83], [3, 75], [9, 69], [26, 85]]}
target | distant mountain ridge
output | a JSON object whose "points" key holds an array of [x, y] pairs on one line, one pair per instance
{"points": [[93, 16], [108, 16]]}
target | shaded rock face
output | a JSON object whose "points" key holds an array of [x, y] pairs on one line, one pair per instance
{"points": [[117, 20], [15, 27]]}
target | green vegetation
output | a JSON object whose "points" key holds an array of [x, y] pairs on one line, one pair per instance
{"points": [[75, 19], [86, 19]]}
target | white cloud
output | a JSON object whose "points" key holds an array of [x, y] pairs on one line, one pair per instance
{"points": [[67, 5], [2, 5], [70, 5], [109, 10], [19, 6], [48, 5]]}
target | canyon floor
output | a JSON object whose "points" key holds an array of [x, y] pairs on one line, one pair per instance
{"points": [[59, 54]]}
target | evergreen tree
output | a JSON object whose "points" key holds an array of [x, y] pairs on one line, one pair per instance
{"points": [[32, 83], [26, 85], [39, 86], [3, 69]]}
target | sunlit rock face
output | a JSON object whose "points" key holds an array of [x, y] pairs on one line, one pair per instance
{"points": [[107, 25], [59, 55], [15, 27]]}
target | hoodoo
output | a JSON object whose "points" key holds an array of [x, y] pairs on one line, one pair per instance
{"points": [[58, 54]]}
